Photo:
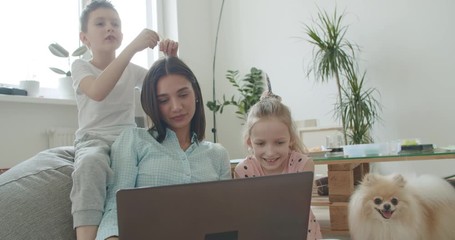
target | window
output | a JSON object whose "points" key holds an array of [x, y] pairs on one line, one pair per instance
{"points": [[29, 26]]}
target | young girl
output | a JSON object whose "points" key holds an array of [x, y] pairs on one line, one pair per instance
{"points": [[275, 146]]}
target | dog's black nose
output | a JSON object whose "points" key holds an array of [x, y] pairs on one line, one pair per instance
{"points": [[386, 206]]}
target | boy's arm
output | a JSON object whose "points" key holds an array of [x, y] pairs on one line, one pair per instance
{"points": [[98, 88]]}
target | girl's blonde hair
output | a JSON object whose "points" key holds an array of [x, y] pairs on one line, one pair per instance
{"points": [[270, 106]]}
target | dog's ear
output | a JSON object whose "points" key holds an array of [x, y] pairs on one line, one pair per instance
{"points": [[399, 180], [369, 179]]}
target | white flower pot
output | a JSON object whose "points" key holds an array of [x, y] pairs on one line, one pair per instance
{"points": [[31, 86], [65, 88]]}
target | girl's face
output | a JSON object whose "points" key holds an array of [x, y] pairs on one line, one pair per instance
{"points": [[104, 31], [270, 140], [177, 102]]}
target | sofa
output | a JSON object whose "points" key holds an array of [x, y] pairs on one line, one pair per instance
{"points": [[34, 197]]}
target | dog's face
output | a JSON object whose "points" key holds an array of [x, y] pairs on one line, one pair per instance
{"points": [[384, 197]]}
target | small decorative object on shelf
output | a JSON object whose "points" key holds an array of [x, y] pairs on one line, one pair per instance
{"points": [[416, 148], [31, 86], [12, 91]]}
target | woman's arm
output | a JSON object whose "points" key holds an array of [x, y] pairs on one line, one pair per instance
{"points": [[225, 165], [124, 165]]}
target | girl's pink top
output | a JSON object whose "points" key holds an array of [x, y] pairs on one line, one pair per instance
{"points": [[250, 167]]}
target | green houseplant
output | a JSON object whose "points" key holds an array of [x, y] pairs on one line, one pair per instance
{"points": [[250, 89], [359, 108], [332, 54], [335, 57], [57, 50]]}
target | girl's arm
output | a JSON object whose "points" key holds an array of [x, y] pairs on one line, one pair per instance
{"points": [[309, 166]]}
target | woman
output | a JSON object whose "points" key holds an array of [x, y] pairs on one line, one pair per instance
{"points": [[173, 151]]}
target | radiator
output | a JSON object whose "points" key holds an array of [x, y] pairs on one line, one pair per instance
{"points": [[60, 137]]}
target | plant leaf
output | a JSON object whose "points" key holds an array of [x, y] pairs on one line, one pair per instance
{"points": [[79, 51], [250, 88], [58, 50], [59, 71]]}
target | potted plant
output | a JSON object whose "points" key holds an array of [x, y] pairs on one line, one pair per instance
{"points": [[66, 82], [359, 108], [332, 53], [250, 89], [335, 57], [57, 50]]}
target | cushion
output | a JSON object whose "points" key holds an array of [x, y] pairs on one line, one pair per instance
{"points": [[34, 197]]}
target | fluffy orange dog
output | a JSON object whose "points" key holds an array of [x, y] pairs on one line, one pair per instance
{"points": [[396, 208]]}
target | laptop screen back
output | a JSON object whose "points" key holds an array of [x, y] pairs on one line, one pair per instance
{"points": [[271, 207]]}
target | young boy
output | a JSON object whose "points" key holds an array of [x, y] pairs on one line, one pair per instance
{"points": [[105, 98]]}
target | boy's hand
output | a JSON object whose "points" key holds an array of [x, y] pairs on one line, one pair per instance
{"points": [[169, 47], [147, 38]]}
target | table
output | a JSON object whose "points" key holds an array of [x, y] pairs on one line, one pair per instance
{"points": [[345, 172]]}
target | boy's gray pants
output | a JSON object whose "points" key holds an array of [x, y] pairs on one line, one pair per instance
{"points": [[90, 178]]}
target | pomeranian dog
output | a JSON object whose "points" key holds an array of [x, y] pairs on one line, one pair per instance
{"points": [[397, 208]]}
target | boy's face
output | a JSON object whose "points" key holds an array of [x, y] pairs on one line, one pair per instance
{"points": [[270, 140], [104, 31]]}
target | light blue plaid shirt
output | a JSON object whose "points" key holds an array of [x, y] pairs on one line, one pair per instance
{"points": [[138, 160]]}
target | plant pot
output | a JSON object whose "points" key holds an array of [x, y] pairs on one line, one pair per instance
{"points": [[31, 86], [65, 88]]}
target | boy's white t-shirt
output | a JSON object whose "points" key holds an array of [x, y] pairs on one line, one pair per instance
{"points": [[110, 116]]}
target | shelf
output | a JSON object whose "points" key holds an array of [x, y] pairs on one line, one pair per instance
{"points": [[36, 100]]}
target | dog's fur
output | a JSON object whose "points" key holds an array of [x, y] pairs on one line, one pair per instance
{"points": [[395, 208]]}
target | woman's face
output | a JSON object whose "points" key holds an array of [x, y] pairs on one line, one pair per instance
{"points": [[270, 141], [177, 101]]}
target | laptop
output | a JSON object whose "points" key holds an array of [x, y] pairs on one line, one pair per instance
{"points": [[269, 207]]}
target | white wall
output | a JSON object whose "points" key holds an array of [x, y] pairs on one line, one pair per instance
{"points": [[407, 50], [24, 125], [196, 39], [25, 121]]}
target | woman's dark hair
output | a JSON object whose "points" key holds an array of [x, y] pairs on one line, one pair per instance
{"points": [[150, 103]]}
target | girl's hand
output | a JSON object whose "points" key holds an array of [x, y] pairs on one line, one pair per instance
{"points": [[169, 47]]}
